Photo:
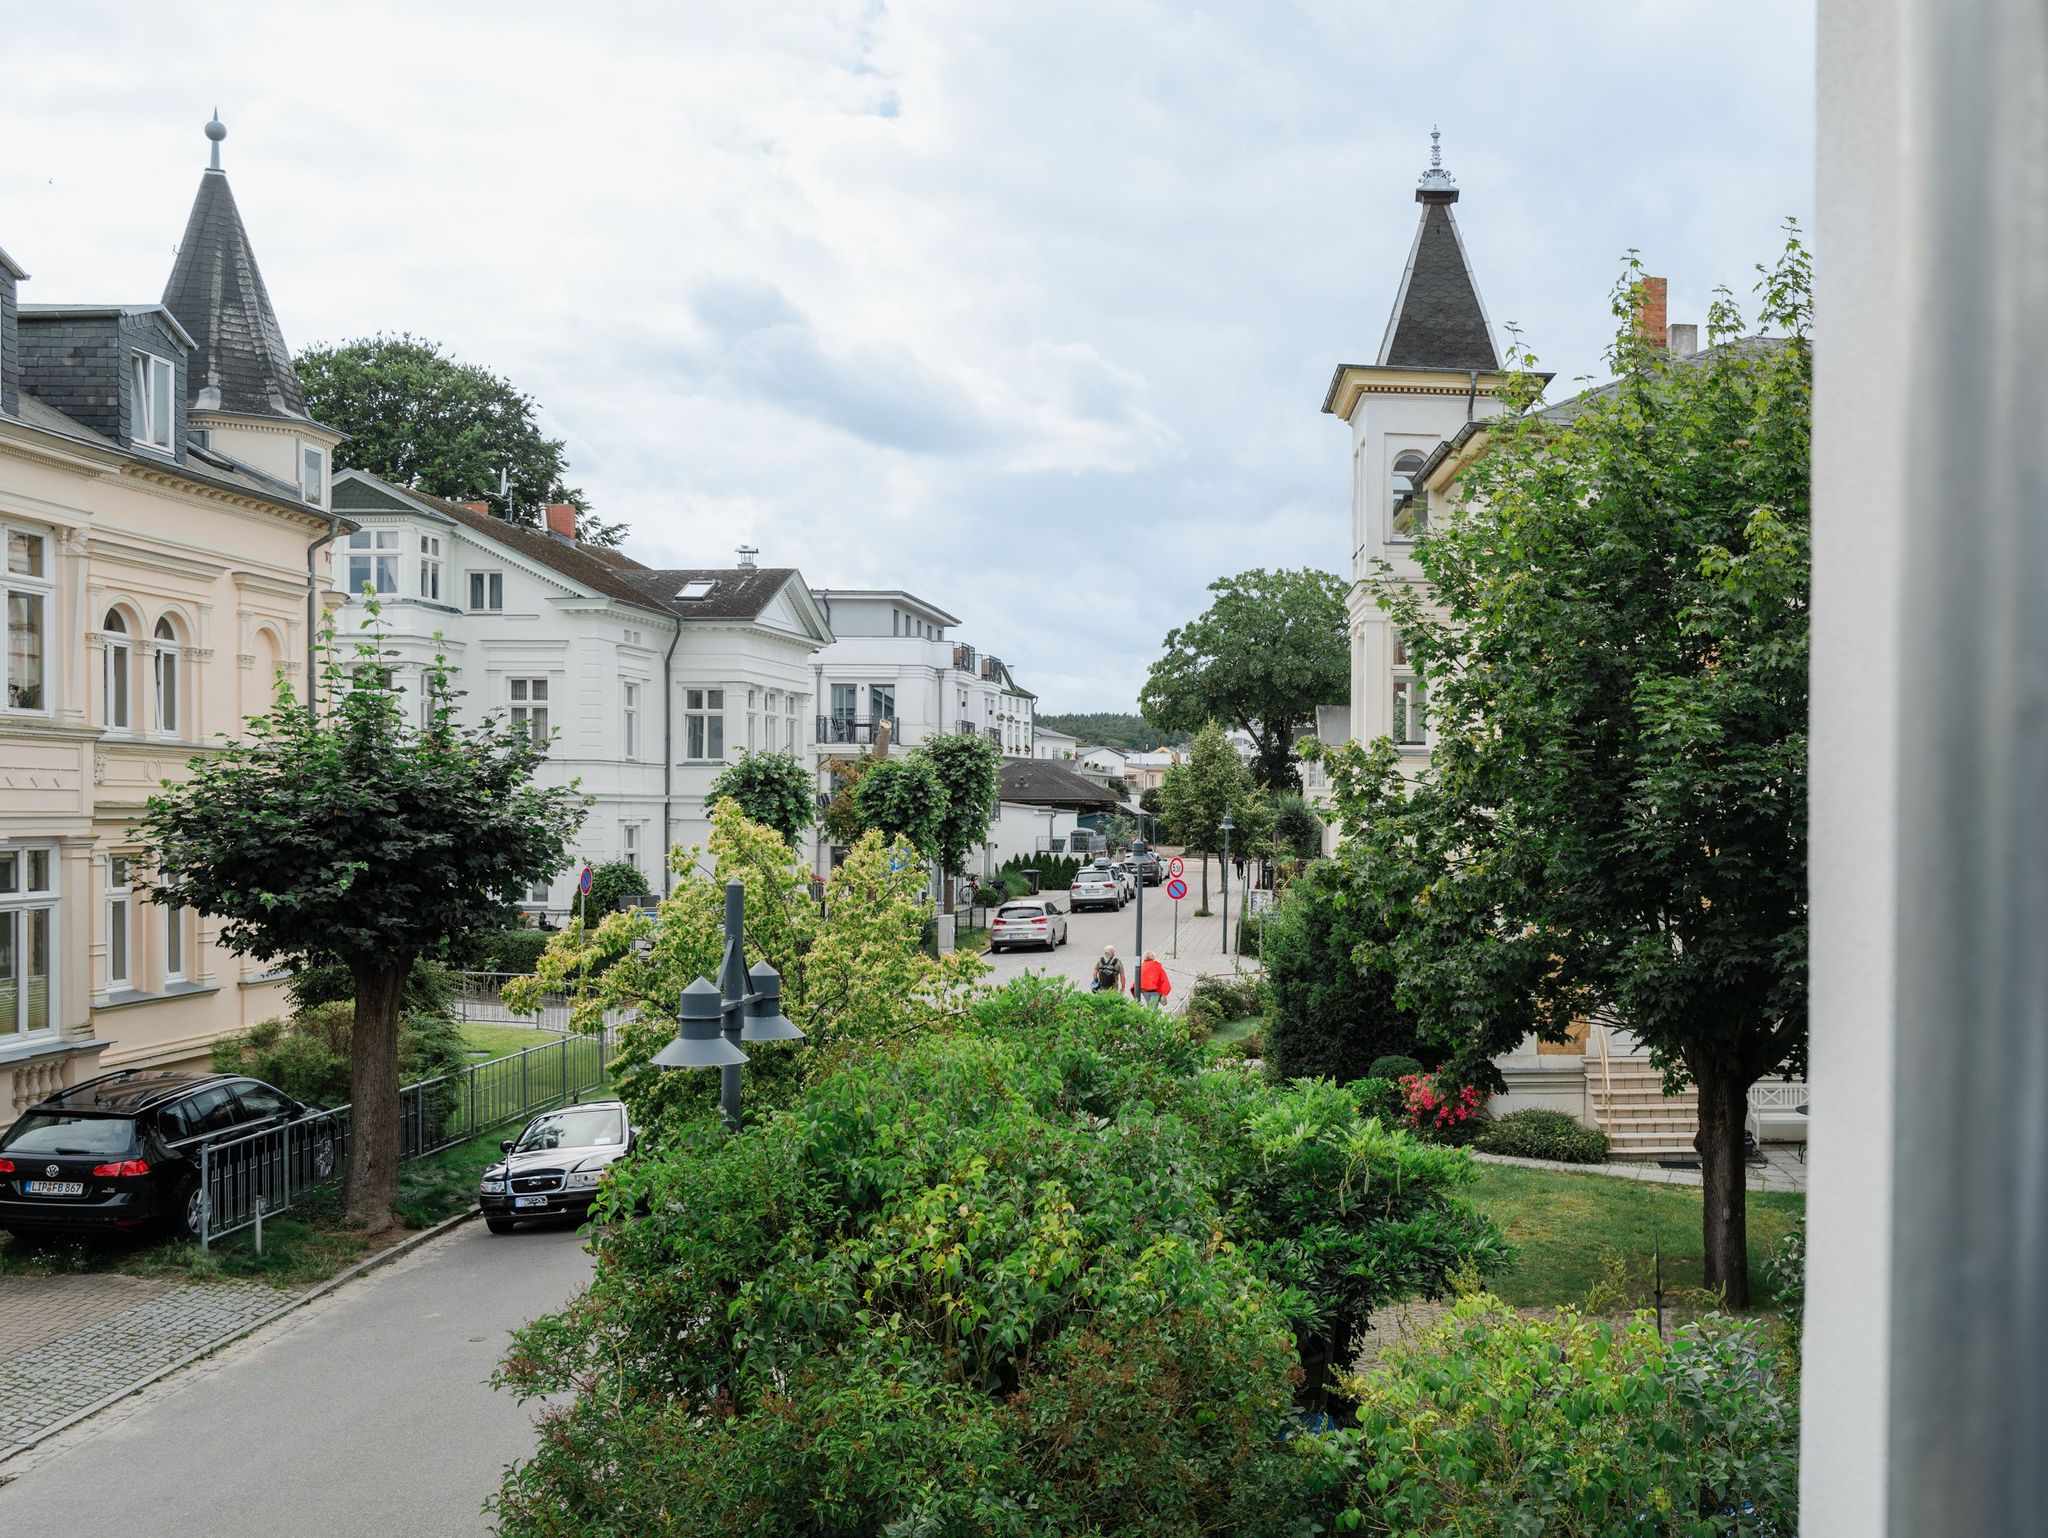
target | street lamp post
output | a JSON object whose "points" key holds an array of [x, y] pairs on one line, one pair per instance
{"points": [[1139, 849], [1227, 825], [713, 1019]]}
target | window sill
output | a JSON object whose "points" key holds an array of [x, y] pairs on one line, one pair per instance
{"points": [[47, 1044], [128, 998]]}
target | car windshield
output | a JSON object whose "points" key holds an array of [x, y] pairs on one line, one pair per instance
{"points": [[1021, 911], [594, 1128], [68, 1132], [1096, 877]]}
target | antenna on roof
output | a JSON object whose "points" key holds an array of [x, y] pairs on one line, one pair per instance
{"points": [[746, 554], [505, 495], [216, 130]]}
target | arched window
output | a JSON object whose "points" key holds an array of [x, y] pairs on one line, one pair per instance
{"points": [[1409, 502], [166, 678], [120, 660]]}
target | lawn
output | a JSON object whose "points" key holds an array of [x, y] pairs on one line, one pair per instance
{"points": [[489, 1041], [1574, 1234], [1232, 1031]]}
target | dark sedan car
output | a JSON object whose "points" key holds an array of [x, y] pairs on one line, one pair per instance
{"points": [[552, 1169], [120, 1153]]}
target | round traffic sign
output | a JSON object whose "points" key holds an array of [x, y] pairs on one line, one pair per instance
{"points": [[1174, 867], [583, 881], [1176, 889]]}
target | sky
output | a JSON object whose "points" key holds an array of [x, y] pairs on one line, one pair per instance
{"points": [[1028, 308]]}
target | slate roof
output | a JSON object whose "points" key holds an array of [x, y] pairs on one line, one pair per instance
{"points": [[1041, 782], [737, 592], [1438, 321], [239, 360]]}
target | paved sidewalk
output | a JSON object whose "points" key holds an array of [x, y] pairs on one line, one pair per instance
{"points": [[67, 1342], [1780, 1170]]}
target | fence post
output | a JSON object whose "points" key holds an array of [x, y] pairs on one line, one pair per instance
{"points": [[205, 1195]]}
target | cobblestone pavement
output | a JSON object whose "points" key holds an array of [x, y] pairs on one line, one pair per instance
{"points": [[67, 1342]]}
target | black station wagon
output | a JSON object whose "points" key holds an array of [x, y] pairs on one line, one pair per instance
{"points": [[120, 1153]]}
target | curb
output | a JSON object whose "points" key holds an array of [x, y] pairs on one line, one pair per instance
{"points": [[383, 1257], [1641, 1174]]}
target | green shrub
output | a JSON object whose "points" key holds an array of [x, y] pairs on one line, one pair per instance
{"points": [[515, 950], [1573, 1428], [1379, 1098], [1040, 1274], [429, 989], [1332, 1017], [1785, 1272], [1215, 1001], [307, 1056], [1539, 1134], [1393, 1068], [609, 882]]}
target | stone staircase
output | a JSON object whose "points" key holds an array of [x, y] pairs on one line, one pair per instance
{"points": [[1640, 1120]]}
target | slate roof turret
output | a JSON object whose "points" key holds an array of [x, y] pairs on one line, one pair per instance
{"points": [[1438, 320], [239, 360]]}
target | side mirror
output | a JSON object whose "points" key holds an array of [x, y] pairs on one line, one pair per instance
{"points": [[505, 1146]]}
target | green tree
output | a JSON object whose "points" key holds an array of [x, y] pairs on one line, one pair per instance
{"points": [[1112, 729], [357, 838], [1334, 1006], [771, 788], [969, 771], [417, 417], [1292, 830], [1272, 647], [1193, 797], [608, 883], [902, 798], [1614, 633]]}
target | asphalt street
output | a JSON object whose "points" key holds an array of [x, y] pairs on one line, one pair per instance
{"points": [[367, 1412]]}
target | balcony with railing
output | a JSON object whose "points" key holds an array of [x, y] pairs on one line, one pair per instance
{"points": [[854, 731]]}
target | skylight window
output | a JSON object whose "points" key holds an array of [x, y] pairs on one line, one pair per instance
{"points": [[696, 587]]}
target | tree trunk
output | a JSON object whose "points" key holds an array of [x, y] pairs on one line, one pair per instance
{"points": [[1205, 883], [371, 1189], [1724, 1207]]}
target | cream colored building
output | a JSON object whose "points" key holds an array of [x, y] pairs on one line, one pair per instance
{"points": [[163, 499]]}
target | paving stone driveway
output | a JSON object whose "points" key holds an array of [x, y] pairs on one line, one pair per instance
{"points": [[67, 1342]]}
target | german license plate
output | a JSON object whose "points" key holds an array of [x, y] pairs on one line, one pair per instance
{"points": [[56, 1187], [529, 1201]]}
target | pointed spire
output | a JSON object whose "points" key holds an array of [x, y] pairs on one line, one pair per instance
{"points": [[239, 362], [1438, 320], [1435, 185]]}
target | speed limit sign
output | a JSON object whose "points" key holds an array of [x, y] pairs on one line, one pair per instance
{"points": [[1174, 867]]}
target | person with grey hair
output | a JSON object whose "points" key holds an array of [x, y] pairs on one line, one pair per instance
{"points": [[1109, 973]]}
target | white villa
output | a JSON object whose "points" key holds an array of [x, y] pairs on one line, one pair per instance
{"points": [[648, 682]]}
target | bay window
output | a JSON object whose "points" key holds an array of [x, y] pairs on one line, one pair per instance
{"points": [[373, 561], [430, 567]]}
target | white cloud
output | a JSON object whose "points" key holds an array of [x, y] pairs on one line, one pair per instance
{"points": [[1028, 307]]}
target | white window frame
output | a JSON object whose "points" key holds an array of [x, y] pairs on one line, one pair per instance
{"points": [[528, 698], [629, 718], [177, 944], [21, 899], [753, 719], [167, 693], [792, 706], [120, 925], [23, 592], [704, 724], [1408, 722], [486, 592], [313, 473], [117, 675], [153, 383], [1396, 489], [432, 565], [379, 551], [629, 844]]}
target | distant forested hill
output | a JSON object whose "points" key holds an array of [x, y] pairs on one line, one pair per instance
{"points": [[1116, 729]]}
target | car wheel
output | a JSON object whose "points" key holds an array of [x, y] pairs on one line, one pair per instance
{"points": [[499, 1225], [193, 1215]]}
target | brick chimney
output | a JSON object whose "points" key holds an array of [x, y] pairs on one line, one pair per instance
{"points": [[562, 520], [1650, 317]]}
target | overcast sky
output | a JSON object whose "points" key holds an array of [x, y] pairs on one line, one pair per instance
{"points": [[1028, 308]]}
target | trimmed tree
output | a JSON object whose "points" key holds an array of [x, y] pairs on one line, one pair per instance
{"points": [[360, 840], [902, 798], [1614, 633], [771, 788], [970, 775], [1272, 647]]}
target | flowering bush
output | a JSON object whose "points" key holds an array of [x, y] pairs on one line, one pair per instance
{"points": [[1436, 1108]]}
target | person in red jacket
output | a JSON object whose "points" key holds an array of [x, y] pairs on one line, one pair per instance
{"points": [[1153, 983]]}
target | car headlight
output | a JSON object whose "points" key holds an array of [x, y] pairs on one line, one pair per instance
{"points": [[582, 1180], [494, 1185]]}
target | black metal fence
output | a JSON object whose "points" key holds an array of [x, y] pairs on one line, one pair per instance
{"points": [[245, 1179]]}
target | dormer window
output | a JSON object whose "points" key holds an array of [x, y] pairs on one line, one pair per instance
{"points": [[696, 587], [313, 474], [154, 382]]}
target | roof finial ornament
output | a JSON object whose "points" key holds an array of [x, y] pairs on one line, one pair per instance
{"points": [[1436, 184], [216, 130]]}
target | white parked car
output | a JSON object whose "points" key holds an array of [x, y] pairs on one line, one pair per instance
{"points": [[1035, 922], [1096, 886]]}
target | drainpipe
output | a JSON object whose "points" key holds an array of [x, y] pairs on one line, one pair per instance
{"points": [[313, 609], [1472, 395], [668, 747]]}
